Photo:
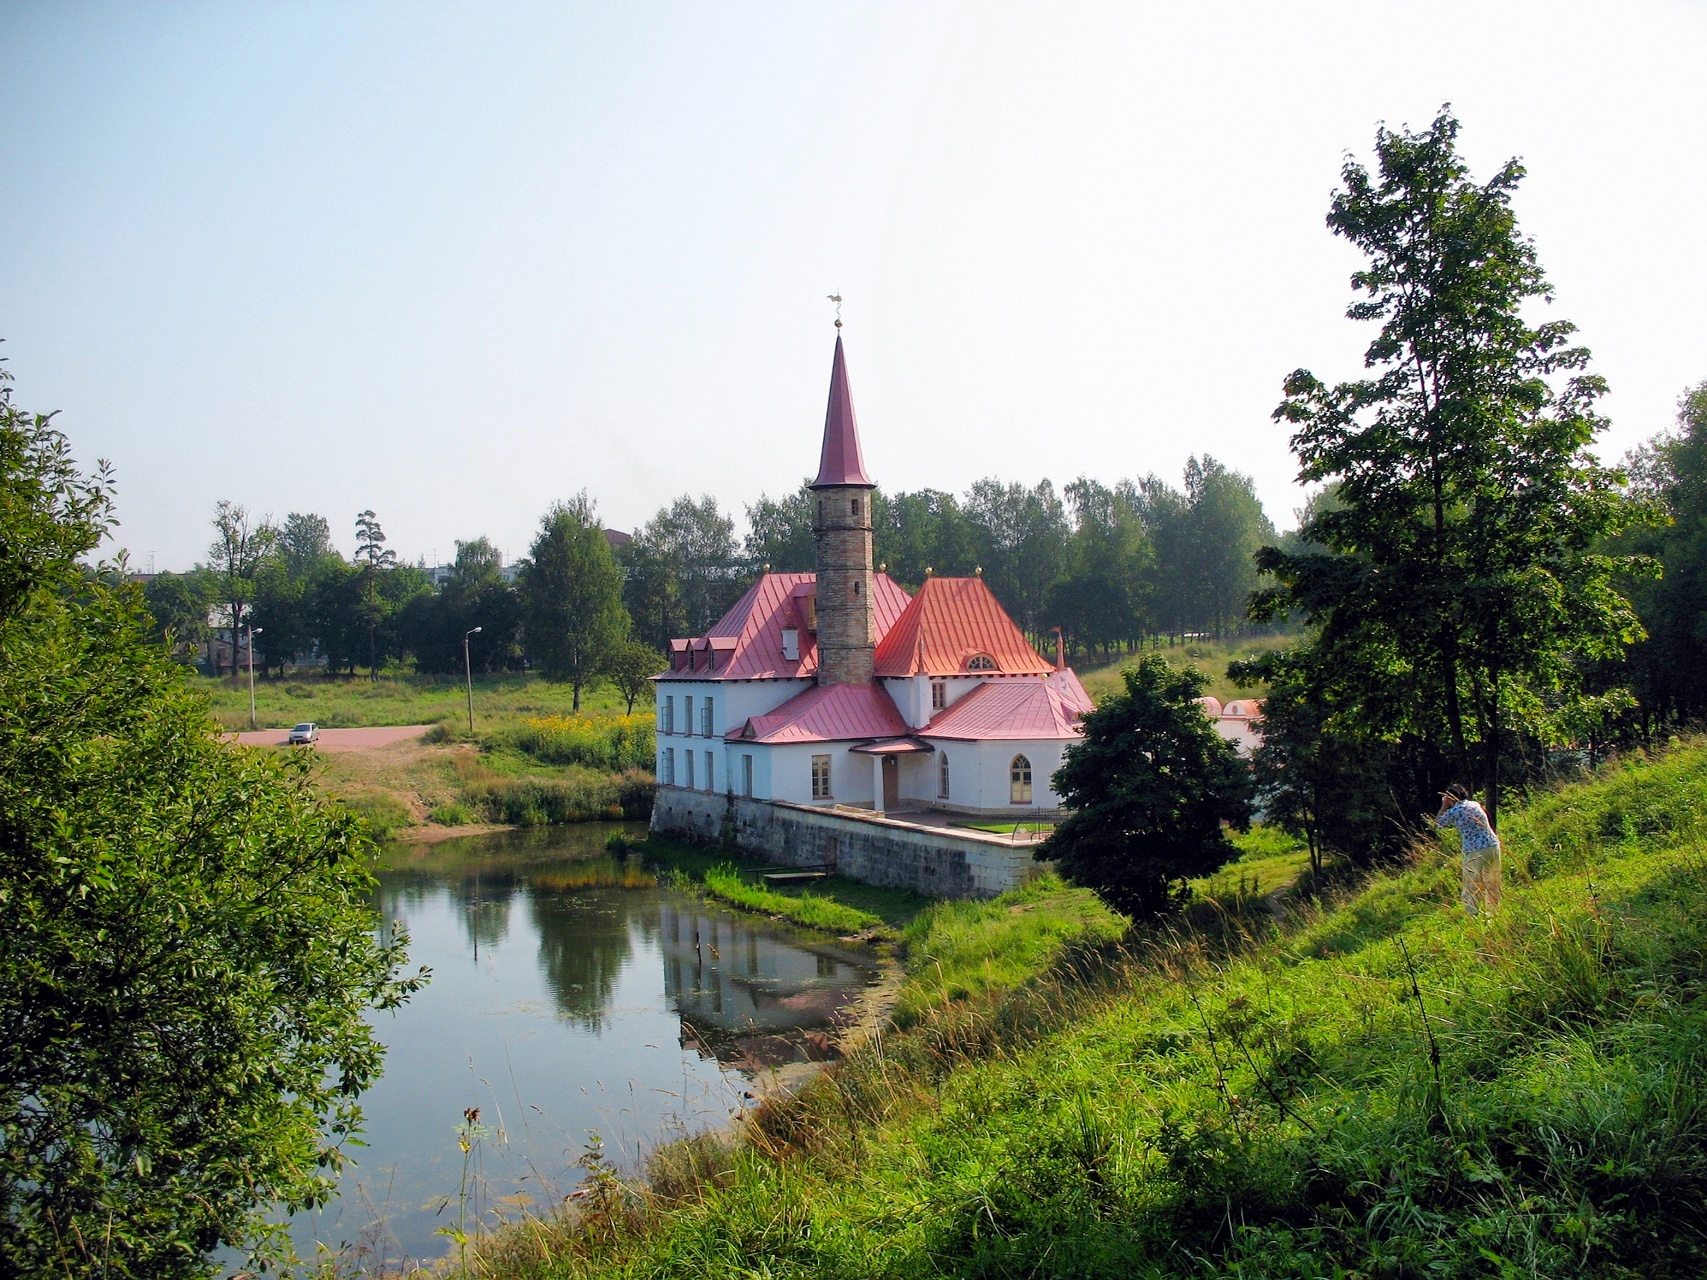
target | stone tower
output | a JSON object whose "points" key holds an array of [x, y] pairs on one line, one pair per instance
{"points": [[841, 540]]}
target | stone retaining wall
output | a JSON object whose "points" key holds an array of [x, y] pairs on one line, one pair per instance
{"points": [[861, 846]]}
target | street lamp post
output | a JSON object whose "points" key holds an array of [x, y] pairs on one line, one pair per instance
{"points": [[468, 676], [253, 632]]}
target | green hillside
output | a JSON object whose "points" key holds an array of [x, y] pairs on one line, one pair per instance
{"points": [[1377, 1089]]}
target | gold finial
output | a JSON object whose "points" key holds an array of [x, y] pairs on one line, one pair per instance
{"points": [[767, 566], [928, 571], [977, 571], [883, 568], [837, 299]]}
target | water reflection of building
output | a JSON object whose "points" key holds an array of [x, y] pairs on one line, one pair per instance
{"points": [[733, 984]]}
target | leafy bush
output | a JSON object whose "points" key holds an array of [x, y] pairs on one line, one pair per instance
{"points": [[187, 950], [453, 814], [725, 884], [593, 742]]}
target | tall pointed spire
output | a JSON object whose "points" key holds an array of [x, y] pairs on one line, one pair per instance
{"points": [[840, 463]]}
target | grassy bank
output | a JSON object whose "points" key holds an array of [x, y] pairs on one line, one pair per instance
{"points": [[1208, 656], [530, 765], [1374, 1087], [340, 702], [813, 910]]}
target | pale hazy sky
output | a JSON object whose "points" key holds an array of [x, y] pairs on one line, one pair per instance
{"points": [[453, 261]]}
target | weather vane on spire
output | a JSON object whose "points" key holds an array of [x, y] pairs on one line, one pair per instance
{"points": [[837, 299]]}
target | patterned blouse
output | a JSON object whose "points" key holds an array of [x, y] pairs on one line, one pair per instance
{"points": [[1471, 823]]}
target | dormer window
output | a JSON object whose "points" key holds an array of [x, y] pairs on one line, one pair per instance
{"points": [[791, 644], [981, 662], [939, 695]]}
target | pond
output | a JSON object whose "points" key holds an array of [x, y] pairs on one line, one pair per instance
{"points": [[571, 993]]}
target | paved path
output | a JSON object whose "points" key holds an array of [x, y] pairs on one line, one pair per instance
{"points": [[336, 739]]}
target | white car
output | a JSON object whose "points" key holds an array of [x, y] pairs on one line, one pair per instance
{"points": [[304, 735]]}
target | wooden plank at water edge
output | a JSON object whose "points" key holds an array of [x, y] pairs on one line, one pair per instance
{"points": [[789, 877]]}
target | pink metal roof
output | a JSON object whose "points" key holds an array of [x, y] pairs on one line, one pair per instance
{"points": [[1065, 681], [840, 462], [827, 713], [748, 639], [893, 747], [948, 623], [1028, 709]]}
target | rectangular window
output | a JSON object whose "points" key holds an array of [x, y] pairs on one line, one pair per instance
{"points": [[669, 714], [705, 718], [689, 756], [820, 777], [710, 783], [687, 715], [669, 766], [939, 694], [746, 775]]}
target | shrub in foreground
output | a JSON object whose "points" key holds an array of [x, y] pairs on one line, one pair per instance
{"points": [[186, 953]]}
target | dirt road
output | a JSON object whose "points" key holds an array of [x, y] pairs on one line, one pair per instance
{"points": [[336, 739]]}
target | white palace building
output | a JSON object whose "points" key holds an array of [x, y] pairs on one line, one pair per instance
{"points": [[832, 719]]}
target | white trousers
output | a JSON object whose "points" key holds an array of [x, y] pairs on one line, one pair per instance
{"points": [[1482, 880]]}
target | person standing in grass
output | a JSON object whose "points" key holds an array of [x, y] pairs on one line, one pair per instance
{"points": [[1481, 848]]}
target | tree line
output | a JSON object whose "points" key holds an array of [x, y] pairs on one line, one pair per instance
{"points": [[1108, 566]]}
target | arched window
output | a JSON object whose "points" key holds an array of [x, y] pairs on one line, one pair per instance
{"points": [[1019, 781], [853, 505], [942, 776], [980, 662]]}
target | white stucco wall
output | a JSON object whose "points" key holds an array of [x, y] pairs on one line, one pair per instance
{"points": [[732, 702], [978, 773]]}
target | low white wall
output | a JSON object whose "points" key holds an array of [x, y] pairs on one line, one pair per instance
{"points": [[865, 847]]}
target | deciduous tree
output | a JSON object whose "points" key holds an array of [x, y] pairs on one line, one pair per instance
{"points": [[631, 668], [1147, 790], [571, 590], [1464, 548], [241, 546], [178, 603], [187, 954]]}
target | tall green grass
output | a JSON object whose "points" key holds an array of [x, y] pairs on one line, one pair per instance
{"points": [[959, 950], [1379, 1087], [725, 884], [612, 742], [578, 795], [1209, 656]]}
